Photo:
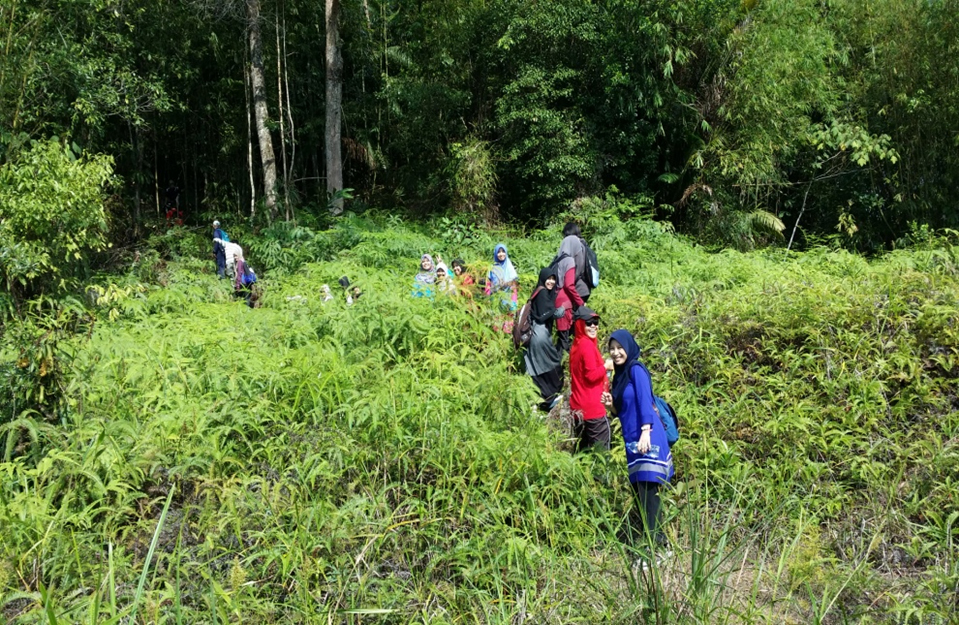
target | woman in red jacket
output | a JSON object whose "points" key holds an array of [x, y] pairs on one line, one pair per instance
{"points": [[588, 381]]}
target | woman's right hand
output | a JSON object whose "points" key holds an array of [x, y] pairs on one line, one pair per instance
{"points": [[644, 442], [607, 399]]}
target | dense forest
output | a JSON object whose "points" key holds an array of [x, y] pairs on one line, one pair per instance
{"points": [[771, 188], [737, 120]]}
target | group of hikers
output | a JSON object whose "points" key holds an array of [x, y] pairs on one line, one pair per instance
{"points": [[599, 387], [619, 385], [231, 265]]}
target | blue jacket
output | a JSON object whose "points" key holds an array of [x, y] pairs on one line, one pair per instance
{"points": [[219, 234]]}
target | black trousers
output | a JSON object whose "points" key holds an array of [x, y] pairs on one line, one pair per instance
{"points": [[246, 292], [220, 261], [549, 384], [563, 340], [647, 525], [592, 433]]}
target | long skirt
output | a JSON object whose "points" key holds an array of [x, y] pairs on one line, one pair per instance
{"points": [[541, 356]]}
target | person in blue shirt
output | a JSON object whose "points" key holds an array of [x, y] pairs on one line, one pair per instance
{"points": [[648, 457], [219, 251]]}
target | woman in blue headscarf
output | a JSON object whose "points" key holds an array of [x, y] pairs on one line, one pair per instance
{"points": [[648, 458], [502, 285]]}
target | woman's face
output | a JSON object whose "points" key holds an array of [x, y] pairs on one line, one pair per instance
{"points": [[592, 328], [501, 255], [550, 283], [426, 265], [457, 270], [617, 353]]}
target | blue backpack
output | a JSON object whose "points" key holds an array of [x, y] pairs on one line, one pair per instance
{"points": [[665, 411], [248, 277], [668, 416]]}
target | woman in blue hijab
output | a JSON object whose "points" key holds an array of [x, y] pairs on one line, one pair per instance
{"points": [[502, 286], [648, 458]]}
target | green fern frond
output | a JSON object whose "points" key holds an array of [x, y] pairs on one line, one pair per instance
{"points": [[765, 221]]}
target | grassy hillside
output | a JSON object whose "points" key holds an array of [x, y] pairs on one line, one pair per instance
{"points": [[381, 463]]}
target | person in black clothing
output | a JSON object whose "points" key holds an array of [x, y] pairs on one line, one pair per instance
{"points": [[219, 252], [172, 194], [543, 361], [173, 212]]}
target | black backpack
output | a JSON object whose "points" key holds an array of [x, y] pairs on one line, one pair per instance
{"points": [[590, 273]]}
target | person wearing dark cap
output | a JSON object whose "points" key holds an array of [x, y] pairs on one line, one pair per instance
{"points": [[351, 295], [588, 382], [543, 361]]}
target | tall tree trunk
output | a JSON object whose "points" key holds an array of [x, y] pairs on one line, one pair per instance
{"points": [[196, 175], [289, 107], [334, 101], [267, 157], [289, 103], [137, 146], [249, 143], [279, 103], [156, 175]]}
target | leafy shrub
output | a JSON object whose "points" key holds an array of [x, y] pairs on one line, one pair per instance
{"points": [[52, 209]]}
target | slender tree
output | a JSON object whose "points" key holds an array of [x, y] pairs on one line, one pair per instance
{"points": [[334, 101], [267, 157]]}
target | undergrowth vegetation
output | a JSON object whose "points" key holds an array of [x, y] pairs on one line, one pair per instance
{"points": [[381, 462]]}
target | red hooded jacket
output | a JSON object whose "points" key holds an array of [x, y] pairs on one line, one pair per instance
{"points": [[587, 374]]}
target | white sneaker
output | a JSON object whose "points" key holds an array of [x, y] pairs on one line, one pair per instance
{"points": [[643, 562]]}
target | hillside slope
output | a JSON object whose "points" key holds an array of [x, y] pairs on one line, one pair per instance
{"points": [[314, 462]]}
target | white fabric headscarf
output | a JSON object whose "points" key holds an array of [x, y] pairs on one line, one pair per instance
{"points": [[502, 272]]}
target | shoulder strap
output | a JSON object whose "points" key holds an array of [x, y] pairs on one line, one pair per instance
{"points": [[648, 374]]}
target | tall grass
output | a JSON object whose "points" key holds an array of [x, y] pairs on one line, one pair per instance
{"points": [[383, 463]]}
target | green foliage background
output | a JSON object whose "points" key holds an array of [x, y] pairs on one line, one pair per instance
{"points": [[739, 120], [308, 462]]}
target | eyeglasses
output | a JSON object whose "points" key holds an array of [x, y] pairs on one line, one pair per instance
{"points": [[593, 322]]}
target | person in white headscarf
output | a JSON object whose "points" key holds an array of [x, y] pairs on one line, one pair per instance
{"points": [[232, 251], [444, 279]]}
